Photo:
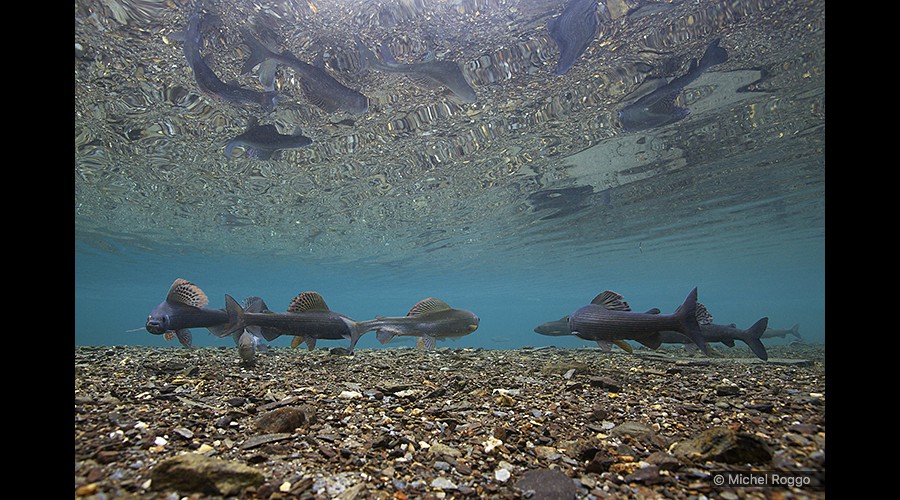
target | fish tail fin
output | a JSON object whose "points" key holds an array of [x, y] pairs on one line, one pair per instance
{"points": [[795, 331], [259, 53], [752, 338], [687, 314], [236, 321], [714, 55], [356, 331]]}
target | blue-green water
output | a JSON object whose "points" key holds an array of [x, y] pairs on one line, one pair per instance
{"points": [[520, 207]]}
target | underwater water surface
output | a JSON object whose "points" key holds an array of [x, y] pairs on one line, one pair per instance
{"points": [[520, 206]]}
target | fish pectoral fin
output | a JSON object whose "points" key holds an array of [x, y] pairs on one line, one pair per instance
{"points": [[184, 336], [625, 346]]}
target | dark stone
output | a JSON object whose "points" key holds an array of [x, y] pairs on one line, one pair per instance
{"points": [[640, 432], [605, 383], [727, 390], [284, 419], [600, 462], [721, 444], [663, 460], [546, 484], [647, 475], [196, 473]]}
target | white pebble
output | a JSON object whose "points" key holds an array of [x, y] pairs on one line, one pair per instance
{"points": [[501, 475]]}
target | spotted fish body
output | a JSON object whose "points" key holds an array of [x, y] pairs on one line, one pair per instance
{"points": [[320, 88], [207, 80], [573, 31], [430, 319], [307, 318], [609, 318], [185, 308]]}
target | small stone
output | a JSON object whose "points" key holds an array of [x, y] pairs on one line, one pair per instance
{"points": [[201, 474], [546, 484], [501, 475], [727, 390], [443, 483], [721, 444]]}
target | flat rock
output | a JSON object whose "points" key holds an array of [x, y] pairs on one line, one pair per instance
{"points": [[194, 473], [546, 484], [720, 444]]}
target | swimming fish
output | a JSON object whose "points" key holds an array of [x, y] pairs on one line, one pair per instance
{"points": [[574, 30], [609, 318], [320, 88], [307, 318], [207, 79], [430, 319], [428, 74], [658, 108], [776, 332], [185, 308], [725, 334], [262, 141]]}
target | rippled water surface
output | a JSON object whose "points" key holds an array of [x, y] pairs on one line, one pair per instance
{"points": [[521, 206]]}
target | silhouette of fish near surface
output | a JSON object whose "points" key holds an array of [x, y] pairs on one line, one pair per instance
{"points": [[725, 334], [308, 319], [574, 30], [262, 141], [658, 108], [320, 88], [782, 333], [609, 318], [429, 74], [185, 308], [207, 80], [430, 319]]}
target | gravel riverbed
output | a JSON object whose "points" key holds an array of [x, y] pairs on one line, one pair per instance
{"points": [[400, 423]]}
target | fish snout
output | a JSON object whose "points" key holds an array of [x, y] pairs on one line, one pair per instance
{"points": [[156, 326]]}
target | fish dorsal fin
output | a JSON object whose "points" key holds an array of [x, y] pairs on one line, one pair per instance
{"points": [[428, 306], [185, 292], [308, 301], [612, 301], [703, 315], [255, 304]]}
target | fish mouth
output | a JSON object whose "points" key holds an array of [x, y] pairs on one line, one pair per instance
{"points": [[155, 328]]}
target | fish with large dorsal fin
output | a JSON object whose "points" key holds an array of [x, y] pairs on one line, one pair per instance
{"points": [[609, 318], [428, 74], [725, 334], [658, 108], [320, 88], [184, 308], [208, 81], [574, 30], [262, 141], [308, 317], [430, 319]]}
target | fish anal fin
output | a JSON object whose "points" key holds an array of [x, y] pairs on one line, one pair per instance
{"points": [[651, 341]]}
